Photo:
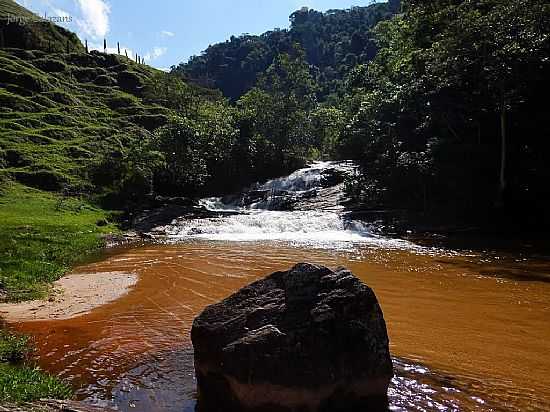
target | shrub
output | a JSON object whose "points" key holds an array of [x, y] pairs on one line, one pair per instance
{"points": [[41, 179], [13, 348], [130, 82], [104, 80], [50, 65]]}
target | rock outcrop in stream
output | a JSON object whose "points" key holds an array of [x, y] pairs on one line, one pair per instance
{"points": [[309, 339]]}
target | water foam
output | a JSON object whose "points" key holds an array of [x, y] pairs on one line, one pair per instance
{"points": [[273, 225], [257, 223]]}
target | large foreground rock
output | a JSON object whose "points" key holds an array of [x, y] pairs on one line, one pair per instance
{"points": [[309, 339]]}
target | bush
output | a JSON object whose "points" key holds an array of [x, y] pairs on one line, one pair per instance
{"points": [[13, 348], [50, 65], [130, 82], [104, 80], [41, 179]]}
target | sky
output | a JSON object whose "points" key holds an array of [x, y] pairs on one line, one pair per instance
{"points": [[168, 32]]}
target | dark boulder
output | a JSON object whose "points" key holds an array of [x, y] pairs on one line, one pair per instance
{"points": [[333, 177], [309, 339]]}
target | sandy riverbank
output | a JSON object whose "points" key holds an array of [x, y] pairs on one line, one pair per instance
{"points": [[73, 295]]}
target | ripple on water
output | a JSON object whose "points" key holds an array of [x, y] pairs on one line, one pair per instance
{"points": [[167, 383], [134, 353]]}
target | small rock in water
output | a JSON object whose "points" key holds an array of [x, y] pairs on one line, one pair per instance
{"points": [[308, 339]]}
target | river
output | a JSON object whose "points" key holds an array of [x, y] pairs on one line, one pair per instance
{"points": [[469, 330]]}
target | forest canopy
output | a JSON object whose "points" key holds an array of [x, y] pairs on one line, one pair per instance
{"points": [[333, 42], [451, 113], [441, 103]]}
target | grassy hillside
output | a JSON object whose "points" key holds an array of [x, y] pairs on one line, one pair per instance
{"points": [[20, 28], [59, 112], [70, 123]]}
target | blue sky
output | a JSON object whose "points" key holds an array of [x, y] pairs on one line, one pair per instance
{"points": [[167, 32]]}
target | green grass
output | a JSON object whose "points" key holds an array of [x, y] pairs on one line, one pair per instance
{"points": [[13, 348], [41, 235], [62, 112], [56, 123], [26, 384], [23, 383], [11, 7]]}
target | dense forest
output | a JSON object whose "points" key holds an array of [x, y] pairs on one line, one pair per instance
{"points": [[334, 43], [441, 102], [450, 115]]}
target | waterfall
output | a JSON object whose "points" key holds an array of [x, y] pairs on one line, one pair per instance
{"points": [[257, 215]]}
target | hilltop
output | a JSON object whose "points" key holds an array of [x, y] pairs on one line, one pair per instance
{"points": [[20, 28], [334, 42]]}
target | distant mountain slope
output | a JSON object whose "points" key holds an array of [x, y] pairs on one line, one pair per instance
{"points": [[20, 28], [334, 42]]}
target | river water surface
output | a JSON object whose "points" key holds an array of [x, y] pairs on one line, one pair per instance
{"points": [[468, 330]]}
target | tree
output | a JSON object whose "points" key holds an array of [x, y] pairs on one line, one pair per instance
{"points": [[234, 66], [327, 125], [450, 98], [281, 105], [196, 150]]}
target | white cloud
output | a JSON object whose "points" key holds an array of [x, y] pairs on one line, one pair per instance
{"points": [[155, 53], [60, 12], [167, 33], [95, 17]]}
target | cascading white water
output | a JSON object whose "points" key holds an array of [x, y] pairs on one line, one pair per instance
{"points": [[274, 225], [256, 222], [308, 178]]}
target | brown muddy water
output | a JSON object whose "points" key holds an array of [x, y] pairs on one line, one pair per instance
{"points": [[468, 331]]}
